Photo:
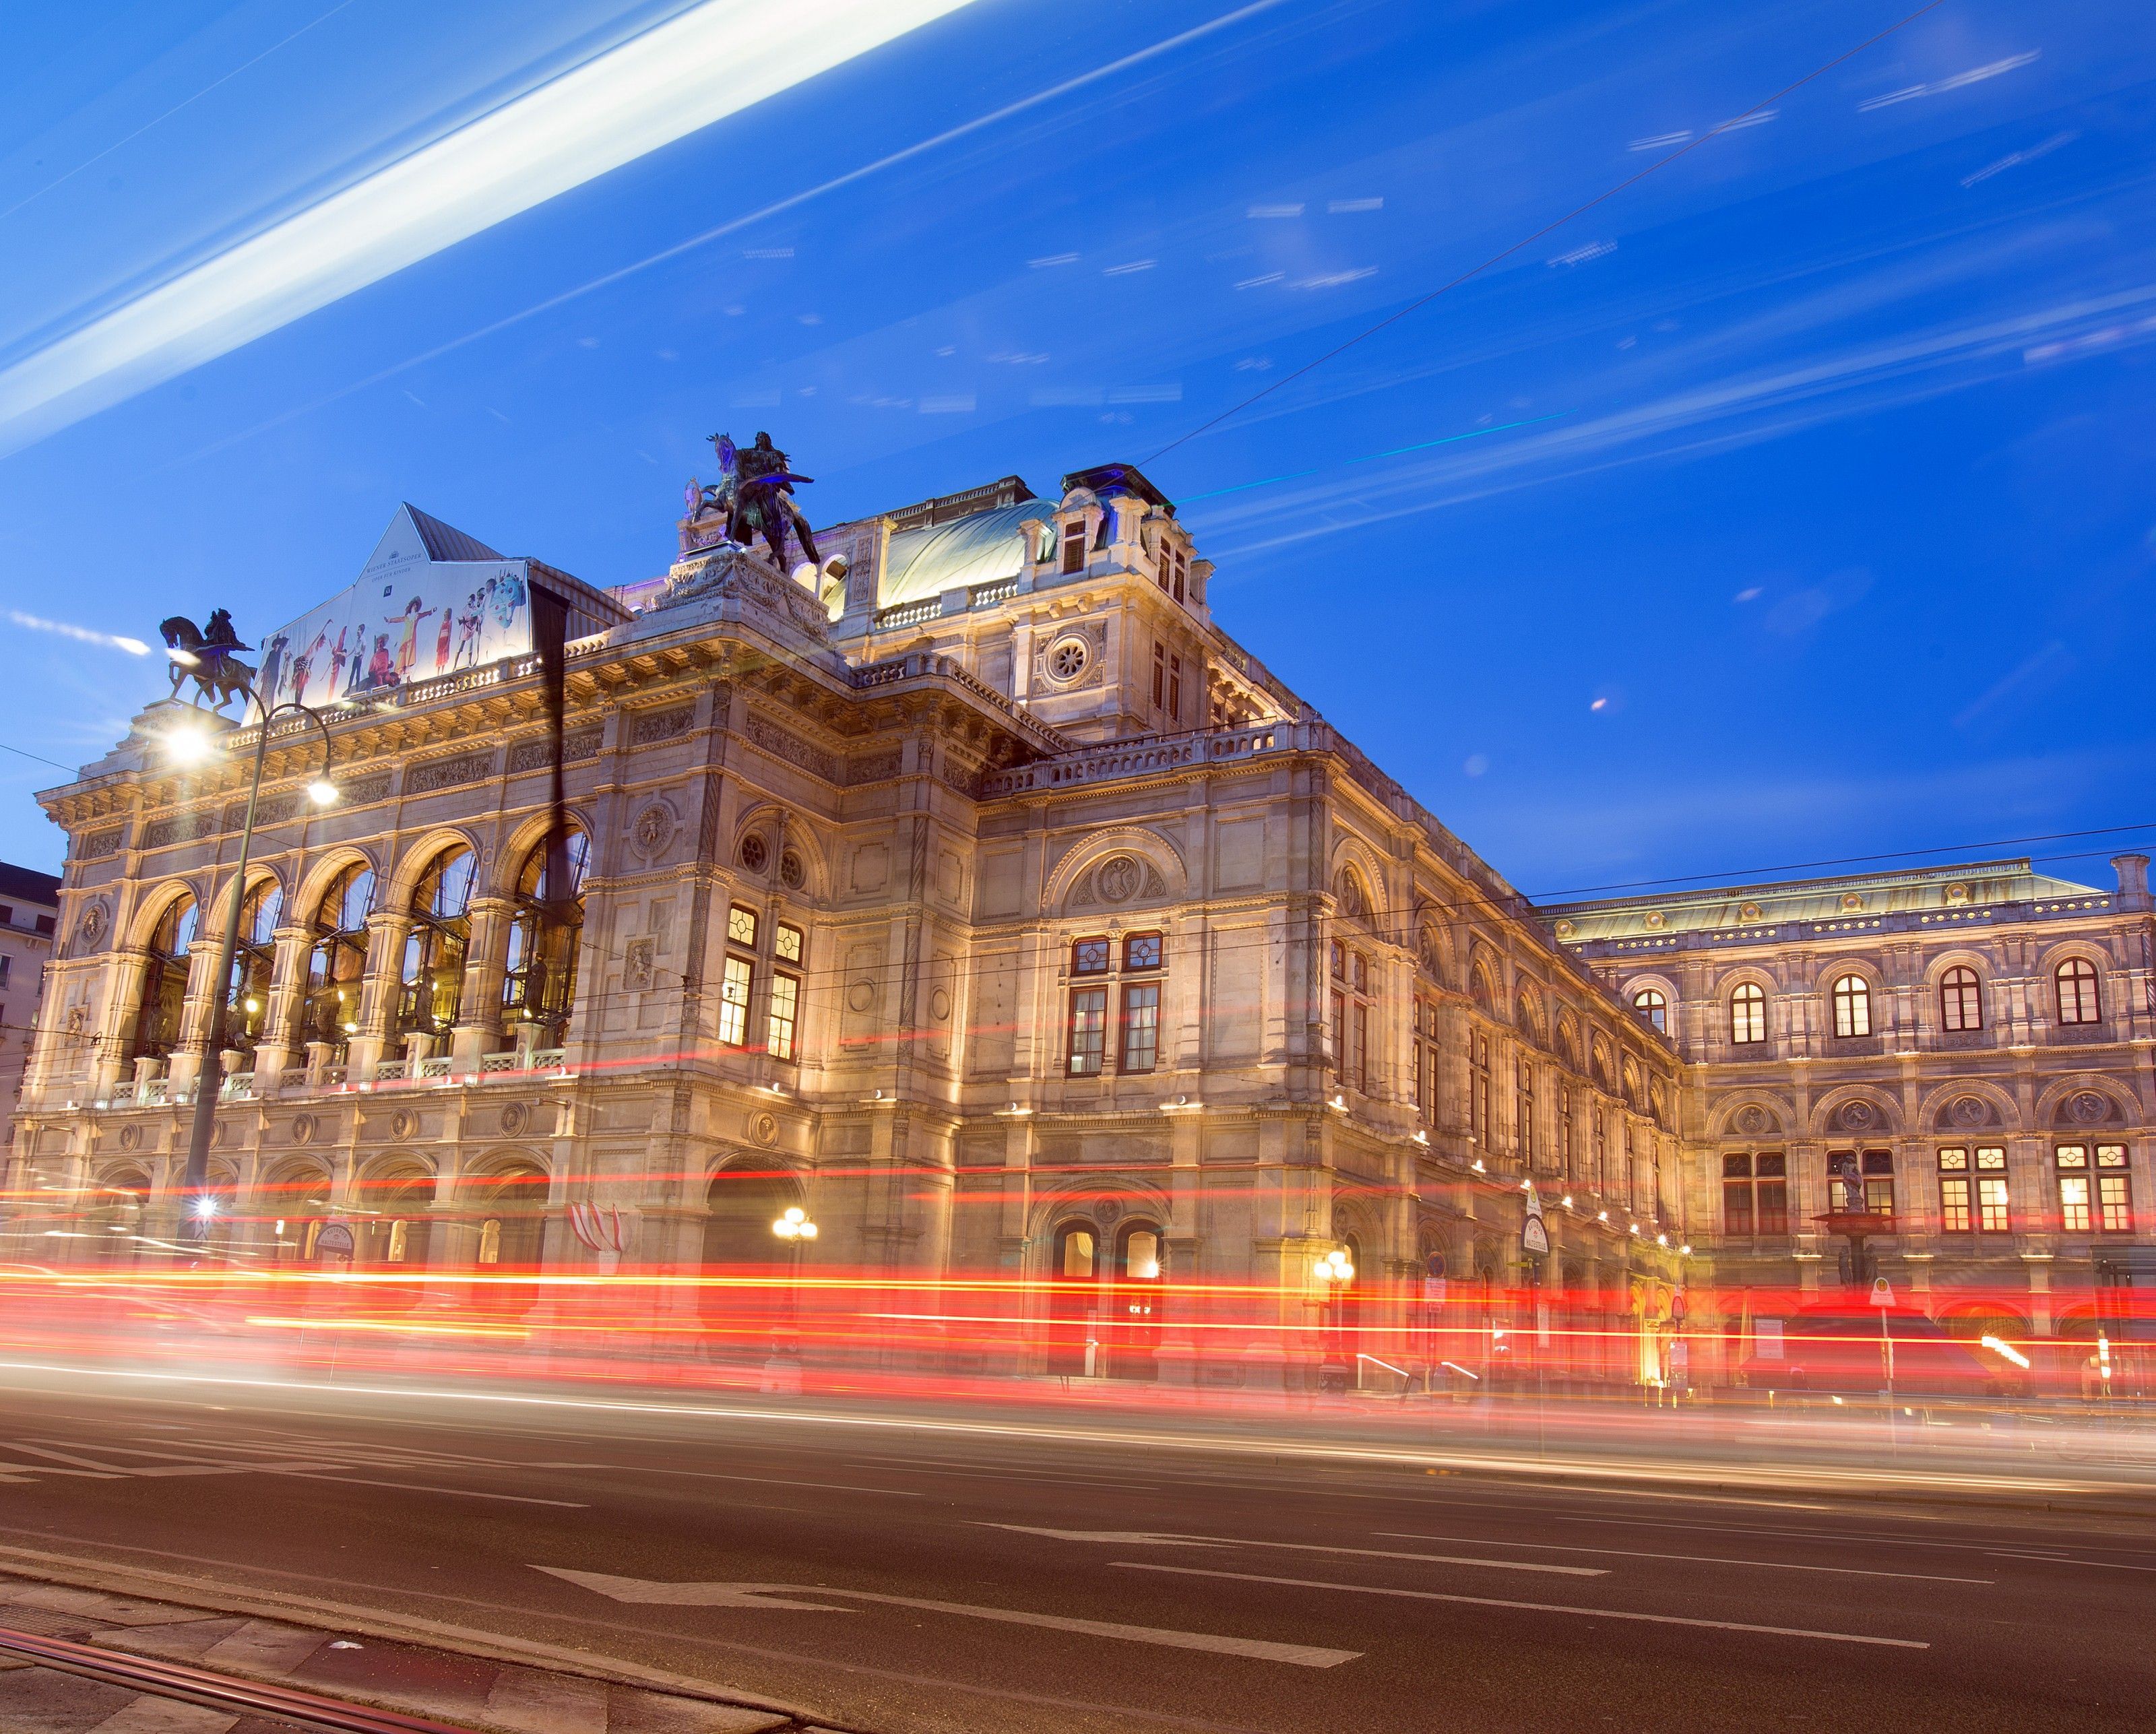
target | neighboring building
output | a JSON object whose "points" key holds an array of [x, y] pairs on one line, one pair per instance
{"points": [[976, 893], [30, 901], [1968, 1043]]}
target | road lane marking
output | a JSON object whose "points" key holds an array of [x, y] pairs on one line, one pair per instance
{"points": [[876, 1466], [516, 1499], [1139, 1537], [1701, 1559], [771, 1595], [2061, 1559], [707, 1475], [1433, 1595]]}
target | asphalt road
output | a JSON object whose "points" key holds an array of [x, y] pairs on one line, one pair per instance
{"points": [[969, 1574]]}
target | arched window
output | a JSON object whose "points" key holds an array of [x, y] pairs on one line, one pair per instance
{"points": [[161, 1022], [1852, 1005], [337, 960], [1073, 1300], [2077, 995], [540, 983], [254, 962], [1961, 999], [1747, 1013], [1653, 1007], [432, 984]]}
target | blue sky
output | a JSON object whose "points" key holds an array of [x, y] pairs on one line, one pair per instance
{"points": [[1804, 511]]}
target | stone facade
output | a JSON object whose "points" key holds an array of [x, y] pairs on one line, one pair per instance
{"points": [[1970, 1042], [982, 896], [30, 901]]}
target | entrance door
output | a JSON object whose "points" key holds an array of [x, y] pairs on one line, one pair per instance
{"points": [[1073, 1300], [1134, 1313]]}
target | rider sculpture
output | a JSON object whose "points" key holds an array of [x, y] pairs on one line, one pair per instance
{"points": [[207, 653], [755, 491]]}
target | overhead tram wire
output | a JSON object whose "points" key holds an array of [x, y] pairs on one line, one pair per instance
{"points": [[1550, 227]]}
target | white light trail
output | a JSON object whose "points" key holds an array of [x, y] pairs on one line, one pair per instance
{"points": [[698, 68], [84, 635]]}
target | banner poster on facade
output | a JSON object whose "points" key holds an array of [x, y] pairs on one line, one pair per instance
{"points": [[409, 618]]}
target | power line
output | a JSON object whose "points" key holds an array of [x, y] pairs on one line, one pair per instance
{"points": [[72, 771], [1529, 240]]}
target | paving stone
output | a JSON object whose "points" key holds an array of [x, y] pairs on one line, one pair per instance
{"points": [[187, 1643], [165, 1716], [38, 1700], [532, 1702], [106, 1609], [263, 1646], [633, 1710]]}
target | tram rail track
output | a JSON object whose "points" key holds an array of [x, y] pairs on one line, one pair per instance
{"points": [[158, 1678]]}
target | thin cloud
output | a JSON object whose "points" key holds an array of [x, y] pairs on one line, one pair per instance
{"points": [[80, 634], [674, 79], [1940, 87]]}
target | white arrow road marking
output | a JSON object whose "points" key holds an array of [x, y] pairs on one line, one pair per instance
{"points": [[1140, 1537], [762, 1595], [1432, 1595], [1701, 1559]]}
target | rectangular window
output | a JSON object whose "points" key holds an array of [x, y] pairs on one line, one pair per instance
{"points": [[1159, 676], [1340, 1034], [1089, 957], [1524, 1109], [1954, 1203], [740, 927], [1089, 1031], [1141, 951], [1339, 960], [1141, 1028], [1073, 545], [1361, 1073], [1175, 687], [734, 1001], [1737, 1207], [785, 1010], [1564, 1144], [1879, 1181], [1774, 1194], [789, 944], [1182, 570], [1991, 1214], [2073, 1203], [2114, 1204]]}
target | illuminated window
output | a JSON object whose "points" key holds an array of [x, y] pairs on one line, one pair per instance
{"points": [[1852, 1006], [734, 985], [1074, 544], [1140, 1046], [337, 962], [161, 1022], [2078, 991], [1089, 1031], [2114, 1190], [1653, 1007], [1747, 1014], [1089, 957], [1878, 1177], [740, 926], [1961, 1000], [489, 1241], [431, 990], [789, 944], [785, 1010], [1141, 951], [1983, 1173], [546, 932]]}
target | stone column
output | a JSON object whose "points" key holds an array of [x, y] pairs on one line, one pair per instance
{"points": [[199, 1016], [386, 930], [288, 998], [486, 964], [121, 1008]]}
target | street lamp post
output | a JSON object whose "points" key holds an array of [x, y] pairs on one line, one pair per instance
{"points": [[794, 1228], [1333, 1273], [201, 1205]]}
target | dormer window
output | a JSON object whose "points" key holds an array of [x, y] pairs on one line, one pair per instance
{"points": [[1074, 543]]}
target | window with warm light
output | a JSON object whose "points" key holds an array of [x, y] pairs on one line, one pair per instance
{"points": [[1652, 1006], [1851, 996], [160, 1021], [337, 960], [1747, 1013], [1961, 1000], [430, 992], [2077, 981], [546, 932]]}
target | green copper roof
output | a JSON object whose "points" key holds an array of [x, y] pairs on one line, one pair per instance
{"points": [[1970, 885], [977, 549]]}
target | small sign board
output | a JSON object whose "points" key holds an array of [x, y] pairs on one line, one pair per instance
{"points": [[1882, 1292], [335, 1241], [1433, 1280], [1534, 1232]]}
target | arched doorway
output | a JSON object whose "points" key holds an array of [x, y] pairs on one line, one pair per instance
{"points": [[506, 1208], [1134, 1321], [745, 1265], [119, 1208], [1073, 1298], [395, 1210], [295, 1201]]}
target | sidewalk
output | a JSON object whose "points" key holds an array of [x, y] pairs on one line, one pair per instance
{"points": [[490, 1684]]}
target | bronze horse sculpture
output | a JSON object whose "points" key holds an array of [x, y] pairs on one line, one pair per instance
{"points": [[207, 655]]}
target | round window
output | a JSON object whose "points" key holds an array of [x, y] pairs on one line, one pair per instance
{"points": [[1068, 658], [791, 873], [755, 853]]}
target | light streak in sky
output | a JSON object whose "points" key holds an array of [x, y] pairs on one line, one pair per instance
{"points": [[1940, 87], [676, 78], [84, 635]]}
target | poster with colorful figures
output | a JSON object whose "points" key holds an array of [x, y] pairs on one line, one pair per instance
{"points": [[409, 618]]}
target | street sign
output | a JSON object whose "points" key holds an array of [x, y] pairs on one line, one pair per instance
{"points": [[1882, 1292], [1534, 1232], [335, 1241], [1433, 1280]]}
